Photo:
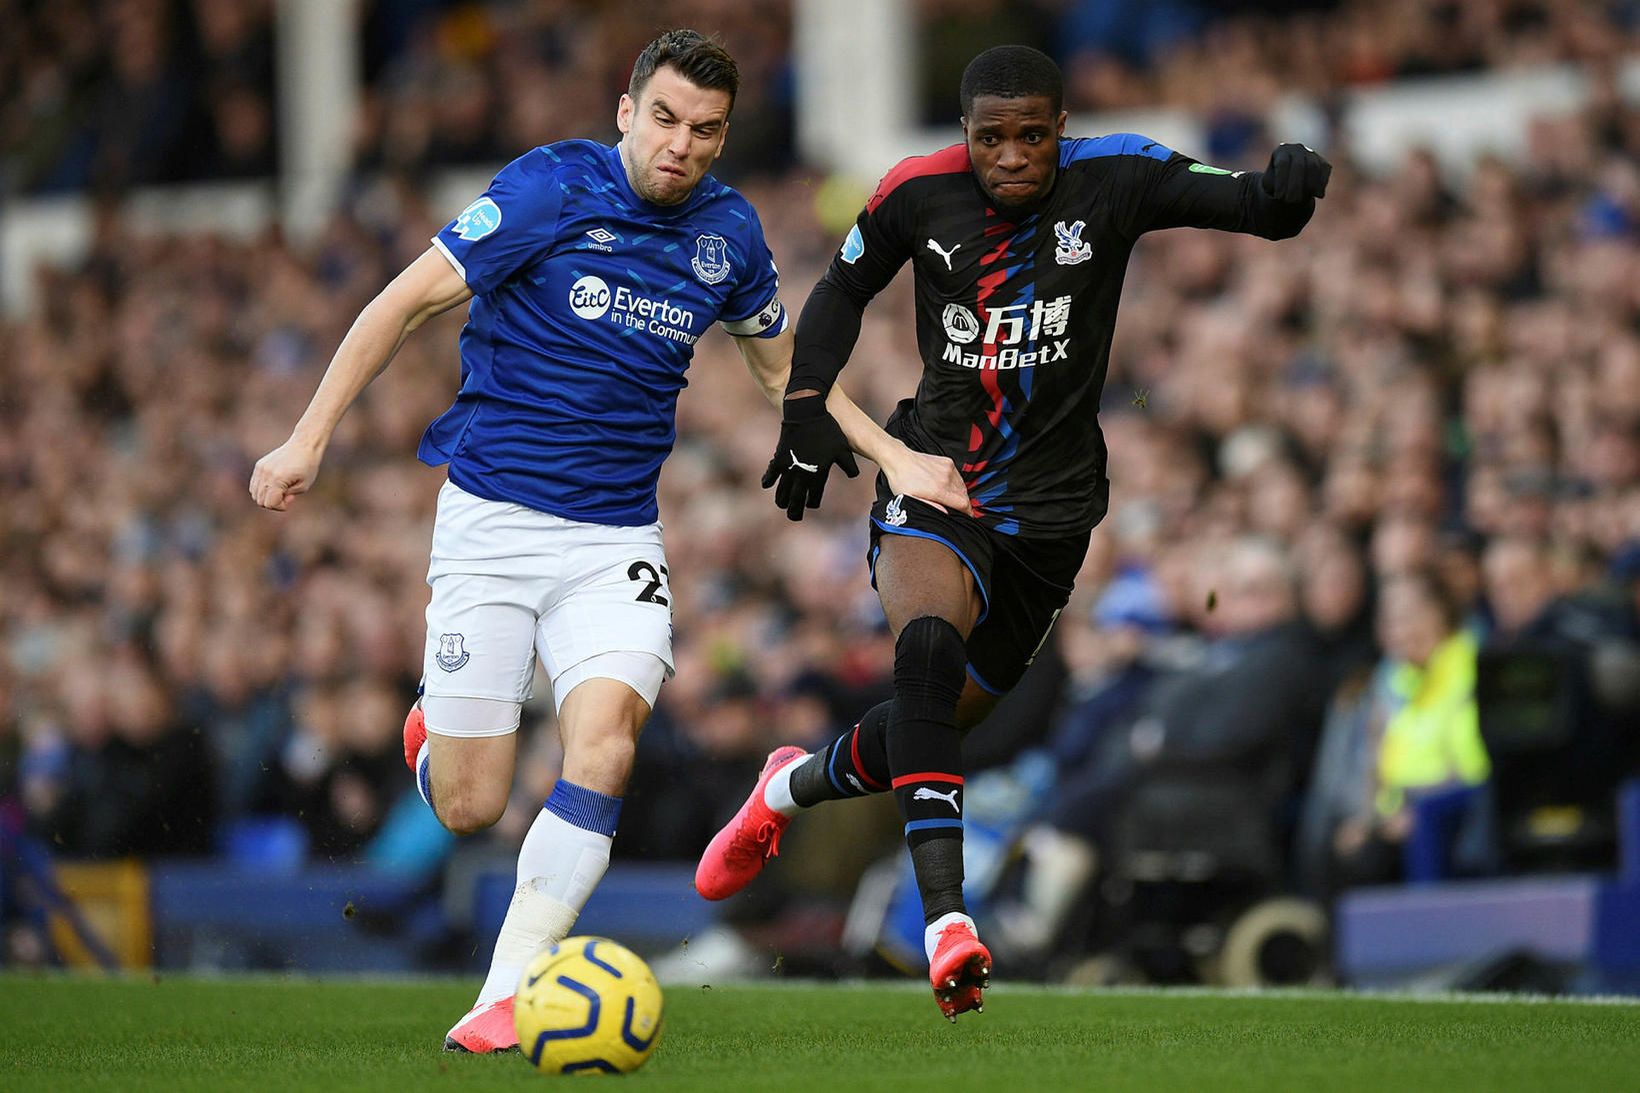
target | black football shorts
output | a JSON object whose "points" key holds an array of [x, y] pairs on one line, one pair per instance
{"points": [[1024, 583]]}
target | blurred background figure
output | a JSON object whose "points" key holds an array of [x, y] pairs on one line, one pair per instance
{"points": [[1414, 728], [132, 778], [1205, 760]]}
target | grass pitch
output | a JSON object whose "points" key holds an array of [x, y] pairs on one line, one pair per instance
{"points": [[271, 1033]]}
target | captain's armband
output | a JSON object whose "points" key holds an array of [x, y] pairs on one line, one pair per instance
{"points": [[765, 324]]}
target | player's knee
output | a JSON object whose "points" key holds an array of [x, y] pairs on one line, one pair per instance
{"points": [[463, 819], [602, 759], [464, 811], [930, 667], [612, 746], [975, 706]]}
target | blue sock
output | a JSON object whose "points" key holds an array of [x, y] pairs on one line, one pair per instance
{"points": [[585, 808], [424, 777]]}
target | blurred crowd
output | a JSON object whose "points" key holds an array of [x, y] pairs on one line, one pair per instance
{"points": [[1211, 57], [1370, 487], [103, 95], [468, 83], [106, 94]]}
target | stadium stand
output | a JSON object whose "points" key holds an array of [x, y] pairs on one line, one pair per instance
{"points": [[1442, 373]]}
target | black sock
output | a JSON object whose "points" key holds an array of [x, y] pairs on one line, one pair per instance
{"points": [[853, 765], [938, 865], [925, 757]]}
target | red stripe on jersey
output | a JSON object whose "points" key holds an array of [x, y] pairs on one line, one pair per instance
{"points": [[991, 280], [988, 284], [928, 776], [947, 161]]}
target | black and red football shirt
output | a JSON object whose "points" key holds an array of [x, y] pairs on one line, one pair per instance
{"points": [[1015, 316]]}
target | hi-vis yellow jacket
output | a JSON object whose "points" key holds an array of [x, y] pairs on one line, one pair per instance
{"points": [[1434, 737]]}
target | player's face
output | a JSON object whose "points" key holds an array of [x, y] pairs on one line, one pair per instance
{"points": [[1014, 147], [670, 135]]}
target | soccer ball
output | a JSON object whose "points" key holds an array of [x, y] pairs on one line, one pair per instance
{"points": [[587, 1004]]}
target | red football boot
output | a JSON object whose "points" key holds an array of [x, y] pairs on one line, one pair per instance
{"points": [[737, 853], [959, 971], [487, 1028], [415, 735]]}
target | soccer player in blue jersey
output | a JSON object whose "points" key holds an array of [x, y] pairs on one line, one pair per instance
{"points": [[1018, 239], [592, 272]]}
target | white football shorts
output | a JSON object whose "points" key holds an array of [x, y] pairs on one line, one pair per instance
{"points": [[511, 583]]}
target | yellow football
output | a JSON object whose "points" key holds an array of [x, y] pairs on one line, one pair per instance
{"points": [[587, 1004]]}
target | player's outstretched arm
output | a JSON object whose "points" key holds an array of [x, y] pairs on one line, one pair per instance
{"points": [[810, 444], [426, 287], [769, 360], [1169, 190], [931, 478]]}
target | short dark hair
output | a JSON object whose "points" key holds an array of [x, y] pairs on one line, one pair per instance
{"points": [[1012, 72], [1440, 596], [699, 59]]}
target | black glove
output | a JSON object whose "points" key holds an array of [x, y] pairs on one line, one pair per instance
{"points": [[811, 443], [1296, 173]]}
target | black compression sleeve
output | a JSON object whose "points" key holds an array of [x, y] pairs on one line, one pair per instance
{"points": [[826, 333], [1274, 219], [1171, 195]]}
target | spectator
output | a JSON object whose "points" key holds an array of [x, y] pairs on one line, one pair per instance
{"points": [[1415, 731], [1336, 603], [1224, 727], [135, 780]]}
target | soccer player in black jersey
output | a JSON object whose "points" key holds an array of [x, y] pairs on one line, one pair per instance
{"points": [[1018, 239]]}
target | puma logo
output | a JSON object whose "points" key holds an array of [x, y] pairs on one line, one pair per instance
{"points": [[925, 794], [943, 253], [799, 465]]}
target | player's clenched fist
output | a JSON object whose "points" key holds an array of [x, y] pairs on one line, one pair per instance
{"points": [[1296, 172], [283, 473]]}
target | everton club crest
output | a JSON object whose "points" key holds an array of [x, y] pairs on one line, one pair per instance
{"points": [[711, 259], [451, 655]]}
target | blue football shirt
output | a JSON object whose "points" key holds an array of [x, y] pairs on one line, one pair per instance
{"points": [[587, 303]]}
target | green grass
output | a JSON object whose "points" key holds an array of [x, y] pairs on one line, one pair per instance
{"points": [[270, 1033]]}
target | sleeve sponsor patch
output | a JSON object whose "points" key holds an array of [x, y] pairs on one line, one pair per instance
{"points": [[479, 219], [853, 247]]}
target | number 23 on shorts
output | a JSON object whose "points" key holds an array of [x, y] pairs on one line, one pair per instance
{"points": [[650, 582]]}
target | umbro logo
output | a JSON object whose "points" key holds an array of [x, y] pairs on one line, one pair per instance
{"points": [[601, 240]]}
